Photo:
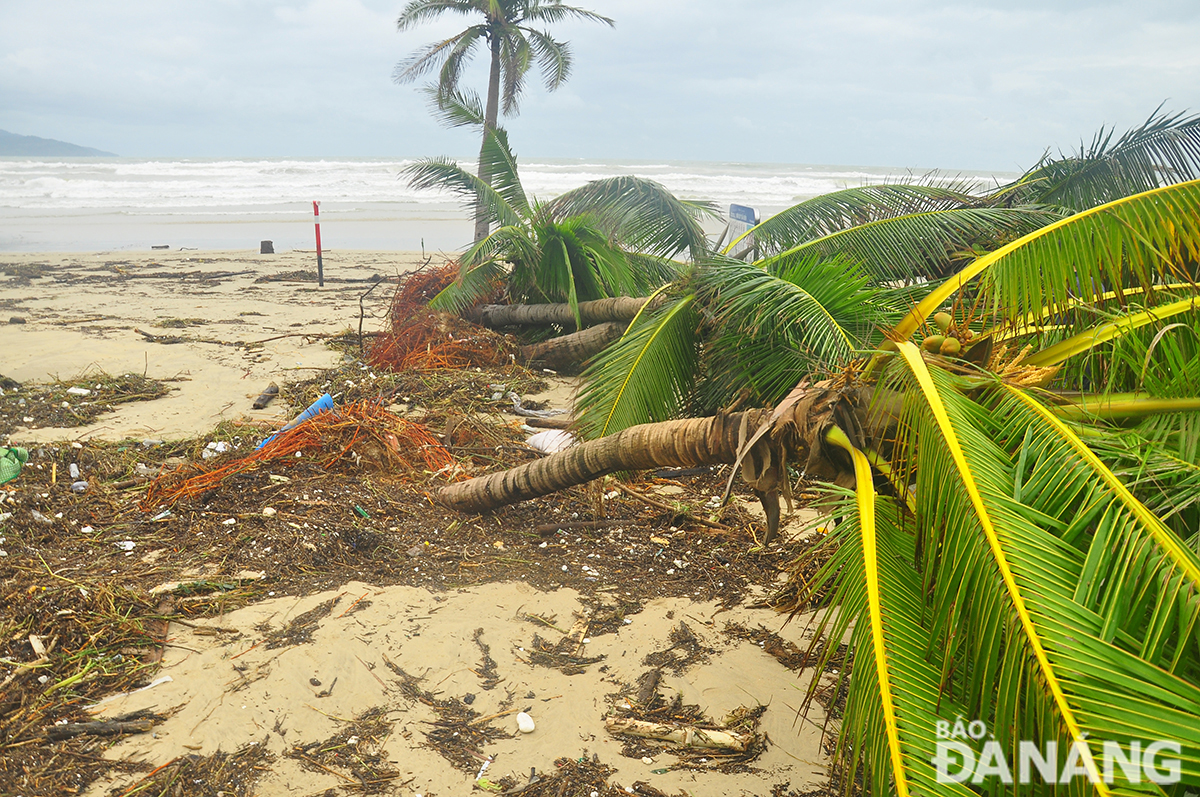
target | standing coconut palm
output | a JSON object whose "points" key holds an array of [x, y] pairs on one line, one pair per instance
{"points": [[513, 45]]}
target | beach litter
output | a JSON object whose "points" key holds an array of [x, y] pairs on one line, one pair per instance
{"points": [[323, 404], [12, 459], [362, 431]]}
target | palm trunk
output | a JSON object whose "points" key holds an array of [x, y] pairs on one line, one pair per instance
{"points": [[760, 442], [599, 311], [568, 351], [686, 443], [490, 115]]}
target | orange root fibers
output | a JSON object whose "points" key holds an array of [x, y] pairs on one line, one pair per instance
{"points": [[363, 431], [422, 339]]}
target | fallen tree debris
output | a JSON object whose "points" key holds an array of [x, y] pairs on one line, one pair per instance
{"points": [[683, 735]]}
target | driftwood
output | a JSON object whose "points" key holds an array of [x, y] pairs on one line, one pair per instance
{"points": [[100, 728], [266, 397], [622, 308], [549, 423], [683, 735], [573, 349]]}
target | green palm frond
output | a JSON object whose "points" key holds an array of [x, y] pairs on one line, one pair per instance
{"points": [[918, 246], [558, 12], [513, 243], [429, 57], [445, 174], [1139, 241], [649, 273], [501, 166], [642, 213], [771, 330], [455, 108], [896, 700], [647, 374], [1047, 599], [419, 11], [1163, 150], [472, 286], [554, 58], [850, 207], [515, 60]]}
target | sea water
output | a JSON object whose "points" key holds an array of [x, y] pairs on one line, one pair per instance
{"points": [[105, 204]]}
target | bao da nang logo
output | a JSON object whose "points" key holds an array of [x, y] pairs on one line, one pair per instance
{"points": [[966, 754]]}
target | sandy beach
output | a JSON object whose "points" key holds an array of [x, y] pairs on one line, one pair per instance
{"points": [[243, 320], [334, 608]]}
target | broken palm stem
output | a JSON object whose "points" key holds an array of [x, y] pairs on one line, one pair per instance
{"points": [[573, 349], [683, 735], [683, 443], [599, 311]]}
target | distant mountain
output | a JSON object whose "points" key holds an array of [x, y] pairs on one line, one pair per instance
{"points": [[13, 144]]}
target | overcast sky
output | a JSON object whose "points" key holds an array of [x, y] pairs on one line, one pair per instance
{"points": [[969, 84]]}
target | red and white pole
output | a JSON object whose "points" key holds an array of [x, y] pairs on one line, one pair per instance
{"points": [[317, 222]]}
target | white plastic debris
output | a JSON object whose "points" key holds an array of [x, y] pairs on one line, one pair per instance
{"points": [[214, 448], [74, 470], [525, 723], [79, 391], [126, 545], [551, 441], [268, 511]]}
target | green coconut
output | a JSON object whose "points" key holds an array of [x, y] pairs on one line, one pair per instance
{"points": [[933, 343], [943, 321], [951, 347]]}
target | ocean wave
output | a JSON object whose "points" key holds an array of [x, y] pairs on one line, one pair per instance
{"points": [[179, 185]]}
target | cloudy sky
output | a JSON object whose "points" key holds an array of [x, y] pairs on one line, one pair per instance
{"points": [[968, 84]]}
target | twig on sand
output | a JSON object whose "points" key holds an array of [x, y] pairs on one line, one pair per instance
{"points": [[670, 508], [481, 720]]}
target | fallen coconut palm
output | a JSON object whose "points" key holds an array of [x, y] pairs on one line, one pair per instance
{"points": [[597, 311], [1036, 567]]}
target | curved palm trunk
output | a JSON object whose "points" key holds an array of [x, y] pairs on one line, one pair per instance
{"points": [[490, 115], [759, 443], [572, 350], [598, 311], [685, 443]]}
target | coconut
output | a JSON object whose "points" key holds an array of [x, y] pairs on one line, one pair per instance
{"points": [[933, 343], [943, 321], [951, 347]]}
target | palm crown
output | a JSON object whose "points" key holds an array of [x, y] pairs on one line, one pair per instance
{"points": [[514, 46]]}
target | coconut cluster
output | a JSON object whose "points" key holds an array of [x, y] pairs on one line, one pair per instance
{"points": [[951, 339]]}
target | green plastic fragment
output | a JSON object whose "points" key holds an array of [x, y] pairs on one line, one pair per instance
{"points": [[11, 460]]}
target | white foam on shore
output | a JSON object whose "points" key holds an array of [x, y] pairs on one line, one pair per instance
{"points": [[88, 204]]}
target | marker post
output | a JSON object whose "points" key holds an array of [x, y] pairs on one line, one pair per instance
{"points": [[317, 222]]}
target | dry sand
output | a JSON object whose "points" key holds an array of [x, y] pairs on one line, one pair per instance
{"points": [[81, 312], [226, 696]]}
